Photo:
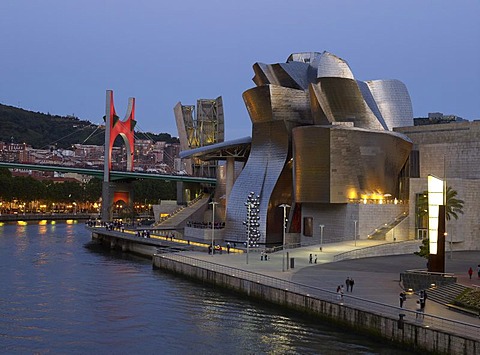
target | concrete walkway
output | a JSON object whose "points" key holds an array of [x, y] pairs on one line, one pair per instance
{"points": [[376, 278]]}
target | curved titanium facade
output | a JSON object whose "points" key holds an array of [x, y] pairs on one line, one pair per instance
{"points": [[340, 164], [319, 136]]}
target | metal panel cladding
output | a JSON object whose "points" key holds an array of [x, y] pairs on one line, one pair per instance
{"points": [[335, 164], [319, 135], [393, 101]]}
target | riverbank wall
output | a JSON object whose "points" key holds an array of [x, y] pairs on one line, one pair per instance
{"points": [[398, 326], [128, 241], [407, 334]]}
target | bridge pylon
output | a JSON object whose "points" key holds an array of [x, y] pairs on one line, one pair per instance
{"points": [[114, 191]]}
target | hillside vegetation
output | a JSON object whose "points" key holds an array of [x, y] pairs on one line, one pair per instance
{"points": [[42, 130]]}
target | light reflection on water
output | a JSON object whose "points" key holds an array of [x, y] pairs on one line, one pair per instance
{"points": [[62, 294]]}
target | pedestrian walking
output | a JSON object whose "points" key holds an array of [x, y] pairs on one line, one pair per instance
{"points": [[422, 300], [228, 247], [315, 258], [470, 272], [419, 310], [403, 298], [310, 259], [340, 293], [347, 283], [351, 284]]}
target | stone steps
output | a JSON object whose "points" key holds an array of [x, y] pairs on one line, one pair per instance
{"points": [[184, 214], [445, 294]]}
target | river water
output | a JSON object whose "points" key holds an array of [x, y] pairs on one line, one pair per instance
{"points": [[62, 294]]}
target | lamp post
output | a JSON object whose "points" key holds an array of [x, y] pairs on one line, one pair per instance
{"points": [[284, 206], [321, 236], [213, 203], [355, 236]]}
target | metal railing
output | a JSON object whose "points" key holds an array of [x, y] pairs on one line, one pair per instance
{"points": [[420, 318], [391, 248], [384, 228]]}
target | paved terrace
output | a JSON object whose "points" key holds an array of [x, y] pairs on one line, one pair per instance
{"points": [[376, 278]]}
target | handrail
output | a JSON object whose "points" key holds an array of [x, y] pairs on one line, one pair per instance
{"points": [[363, 251], [423, 271], [426, 320], [390, 224]]}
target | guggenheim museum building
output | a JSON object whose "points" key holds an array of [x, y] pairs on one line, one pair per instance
{"points": [[330, 157]]}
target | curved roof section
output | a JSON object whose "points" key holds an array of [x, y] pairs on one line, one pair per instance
{"points": [[331, 66], [393, 101], [236, 148], [335, 95]]}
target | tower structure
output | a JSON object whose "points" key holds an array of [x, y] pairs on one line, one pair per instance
{"points": [[200, 127], [114, 191]]}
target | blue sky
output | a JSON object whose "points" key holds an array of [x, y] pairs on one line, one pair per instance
{"points": [[59, 56]]}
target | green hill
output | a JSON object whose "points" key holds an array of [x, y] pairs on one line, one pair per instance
{"points": [[42, 130]]}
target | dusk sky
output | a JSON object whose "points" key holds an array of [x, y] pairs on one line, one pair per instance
{"points": [[59, 56]]}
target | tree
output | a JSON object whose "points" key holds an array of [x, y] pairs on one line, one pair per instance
{"points": [[453, 208], [454, 205], [424, 251]]}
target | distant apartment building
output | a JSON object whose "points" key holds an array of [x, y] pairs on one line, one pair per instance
{"points": [[149, 156], [15, 152], [436, 118]]}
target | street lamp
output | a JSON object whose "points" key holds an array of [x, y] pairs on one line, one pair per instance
{"points": [[213, 225], [355, 236], [284, 206], [321, 236]]}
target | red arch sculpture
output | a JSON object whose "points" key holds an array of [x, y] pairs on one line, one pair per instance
{"points": [[115, 127]]}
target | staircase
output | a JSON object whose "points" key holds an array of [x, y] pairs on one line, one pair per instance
{"points": [[445, 294], [182, 215], [380, 232]]}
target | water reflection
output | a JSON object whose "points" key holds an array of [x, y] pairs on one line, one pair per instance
{"points": [[63, 294]]}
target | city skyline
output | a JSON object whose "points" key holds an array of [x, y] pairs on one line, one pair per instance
{"points": [[61, 57]]}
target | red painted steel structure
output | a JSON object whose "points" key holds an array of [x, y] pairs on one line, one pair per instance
{"points": [[113, 192], [123, 128]]}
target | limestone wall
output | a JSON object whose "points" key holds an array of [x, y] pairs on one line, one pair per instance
{"points": [[408, 334]]}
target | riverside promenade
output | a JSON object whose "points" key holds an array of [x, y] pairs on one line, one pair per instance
{"points": [[376, 278], [371, 308]]}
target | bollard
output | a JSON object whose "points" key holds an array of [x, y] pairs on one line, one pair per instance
{"points": [[400, 322]]}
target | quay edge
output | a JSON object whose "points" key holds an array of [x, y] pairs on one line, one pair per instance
{"points": [[405, 334]]}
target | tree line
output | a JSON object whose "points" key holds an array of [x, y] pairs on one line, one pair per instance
{"points": [[27, 189]]}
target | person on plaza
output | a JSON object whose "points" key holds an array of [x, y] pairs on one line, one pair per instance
{"points": [[347, 283], [470, 272], [340, 292], [310, 259], [419, 310], [351, 284], [478, 271], [261, 256], [228, 247], [422, 300], [403, 298], [315, 258]]}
